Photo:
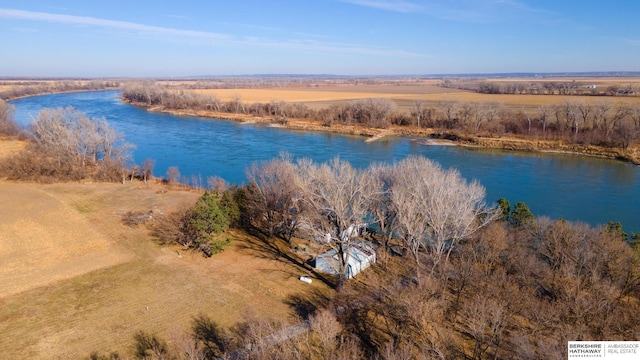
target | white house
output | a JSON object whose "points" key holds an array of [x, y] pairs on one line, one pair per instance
{"points": [[361, 256]]}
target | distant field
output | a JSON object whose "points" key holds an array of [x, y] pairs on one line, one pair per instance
{"points": [[403, 95], [74, 279], [598, 81]]}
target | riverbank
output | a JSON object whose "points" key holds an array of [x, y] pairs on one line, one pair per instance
{"points": [[630, 155]]}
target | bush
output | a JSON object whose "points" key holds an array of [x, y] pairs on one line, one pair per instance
{"points": [[135, 218], [8, 125], [202, 225]]}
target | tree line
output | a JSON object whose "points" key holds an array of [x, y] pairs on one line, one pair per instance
{"points": [[565, 88], [603, 122], [18, 89]]}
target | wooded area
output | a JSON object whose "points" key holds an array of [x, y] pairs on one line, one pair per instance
{"points": [[470, 281], [602, 121]]}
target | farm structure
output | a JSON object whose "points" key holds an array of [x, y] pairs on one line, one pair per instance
{"points": [[361, 256]]}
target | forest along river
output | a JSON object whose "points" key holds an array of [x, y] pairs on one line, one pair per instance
{"points": [[576, 188]]}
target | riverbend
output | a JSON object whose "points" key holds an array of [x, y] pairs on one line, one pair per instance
{"points": [[589, 189]]}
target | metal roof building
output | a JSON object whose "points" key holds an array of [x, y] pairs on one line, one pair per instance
{"points": [[361, 256]]}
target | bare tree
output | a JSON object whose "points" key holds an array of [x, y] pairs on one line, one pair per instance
{"points": [[479, 115], [381, 206], [327, 327], [485, 323], [544, 112], [450, 110], [437, 208], [491, 110], [610, 123], [570, 112], [600, 113], [276, 197], [409, 207], [8, 126], [337, 196], [173, 174], [72, 138], [466, 113], [146, 169], [635, 115], [418, 111], [584, 109]]}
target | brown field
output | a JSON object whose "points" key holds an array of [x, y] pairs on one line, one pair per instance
{"points": [[75, 280], [404, 95]]}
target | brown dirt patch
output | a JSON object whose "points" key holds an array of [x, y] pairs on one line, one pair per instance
{"points": [[37, 248]]}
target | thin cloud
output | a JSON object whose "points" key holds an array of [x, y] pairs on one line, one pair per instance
{"points": [[251, 26], [217, 38], [485, 11], [113, 24], [389, 5], [632, 42], [524, 7]]}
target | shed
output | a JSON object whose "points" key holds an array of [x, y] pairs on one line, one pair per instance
{"points": [[361, 256]]}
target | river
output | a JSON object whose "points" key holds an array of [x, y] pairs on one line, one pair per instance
{"points": [[573, 187]]}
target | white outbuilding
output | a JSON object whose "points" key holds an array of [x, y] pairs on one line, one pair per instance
{"points": [[361, 256]]}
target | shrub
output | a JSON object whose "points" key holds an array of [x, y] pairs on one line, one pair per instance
{"points": [[135, 218], [200, 226]]}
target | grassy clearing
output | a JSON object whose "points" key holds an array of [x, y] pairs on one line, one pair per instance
{"points": [[89, 303]]}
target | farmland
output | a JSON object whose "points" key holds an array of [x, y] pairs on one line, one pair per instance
{"points": [[403, 93]]}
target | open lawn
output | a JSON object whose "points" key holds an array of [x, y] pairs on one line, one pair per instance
{"points": [[74, 279]]}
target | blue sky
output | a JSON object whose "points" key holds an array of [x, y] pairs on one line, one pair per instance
{"points": [[142, 38]]}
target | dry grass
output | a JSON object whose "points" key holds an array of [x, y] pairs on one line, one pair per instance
{"points": [[75, 279], [10, 146], [404, 95]]}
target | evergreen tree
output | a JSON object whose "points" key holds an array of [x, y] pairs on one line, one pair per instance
{"points": [[521, 215], [208, 218]]}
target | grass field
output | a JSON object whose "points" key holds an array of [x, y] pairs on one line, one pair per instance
{"points": [[75, 280]]}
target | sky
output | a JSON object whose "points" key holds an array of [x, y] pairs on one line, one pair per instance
{"points": [[156, 38]]}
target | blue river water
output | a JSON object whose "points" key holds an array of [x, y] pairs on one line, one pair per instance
{"points": [[576, 188]]}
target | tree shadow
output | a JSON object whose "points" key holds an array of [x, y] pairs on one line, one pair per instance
{"points": [[259, 245], [307, 303], [215, 340]]}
